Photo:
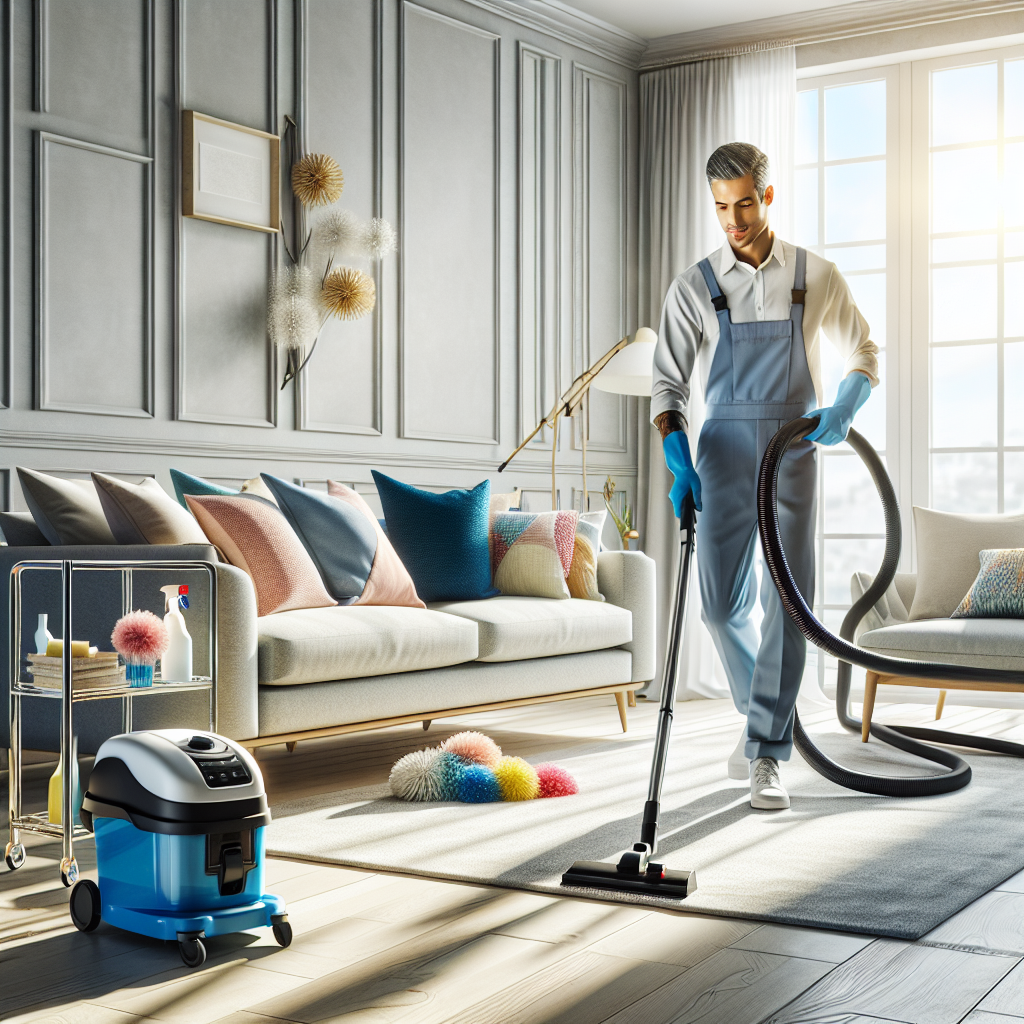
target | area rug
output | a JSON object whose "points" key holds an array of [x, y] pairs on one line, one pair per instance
{"points": [[835, 859]]}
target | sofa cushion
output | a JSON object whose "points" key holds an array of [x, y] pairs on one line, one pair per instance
{"points": [[66, 511], [317, 644], [517, 628], [988, 643], [145, 513], [531, 552]]}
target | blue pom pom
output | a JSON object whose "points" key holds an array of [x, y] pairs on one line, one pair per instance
{"points": [[449, 771], [478, 785]]}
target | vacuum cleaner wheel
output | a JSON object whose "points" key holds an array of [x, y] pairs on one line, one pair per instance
{"points": [[282, 930], [193, 952], [85, 905]]}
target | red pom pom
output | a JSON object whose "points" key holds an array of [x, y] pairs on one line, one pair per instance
{"points": [[555, 781], [140, 637]]}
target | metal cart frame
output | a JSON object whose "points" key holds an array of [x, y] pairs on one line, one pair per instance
{"points": [[38, 823]]}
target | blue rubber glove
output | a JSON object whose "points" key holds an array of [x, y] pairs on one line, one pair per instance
{"points": [[677, 458], [854, 390]]}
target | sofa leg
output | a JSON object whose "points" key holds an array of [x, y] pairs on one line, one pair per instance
{"points": [[290, 746], [870, 686], [620, 701], [426, 723], [631, 697], [940, 704]]}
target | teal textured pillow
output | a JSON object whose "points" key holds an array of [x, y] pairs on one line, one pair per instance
{"points": [[185, 483], [440, 538], [998, 592]]}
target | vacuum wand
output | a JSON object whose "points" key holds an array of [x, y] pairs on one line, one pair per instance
{"points": [[635, 872]]}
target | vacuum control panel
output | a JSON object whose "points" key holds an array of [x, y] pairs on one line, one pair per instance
{"points": [[219, 764]]}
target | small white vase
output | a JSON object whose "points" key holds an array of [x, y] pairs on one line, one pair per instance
{"points": [[43, 636]]}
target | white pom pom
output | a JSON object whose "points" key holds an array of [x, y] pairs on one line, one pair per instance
{"points": [[415, 776], [379, 239]]}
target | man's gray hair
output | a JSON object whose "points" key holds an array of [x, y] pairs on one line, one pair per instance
{"points": [[737, 160]]}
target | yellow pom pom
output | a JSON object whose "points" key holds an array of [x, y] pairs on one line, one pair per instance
{"points": [[317, 180], [348, 293], [517, 779]]}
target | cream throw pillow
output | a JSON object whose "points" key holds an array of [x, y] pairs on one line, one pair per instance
{"points": [[948, 548]]}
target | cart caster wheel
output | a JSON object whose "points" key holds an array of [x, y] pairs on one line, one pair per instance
{"points": [[193, 952], [69, 871], [14, 855], [282, 931], [85, 905]]}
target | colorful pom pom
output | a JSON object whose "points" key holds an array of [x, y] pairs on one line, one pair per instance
{"points": [[416, 776], [555, 781], [140, 637], [449, 770], [473, 746], [517, 779], [478, 785]]}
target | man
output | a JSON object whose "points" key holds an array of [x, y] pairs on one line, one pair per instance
{"points": [[748, 318]]}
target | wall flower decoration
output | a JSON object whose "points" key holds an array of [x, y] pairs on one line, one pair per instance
{"points": [[349, 293], [317, 180]]}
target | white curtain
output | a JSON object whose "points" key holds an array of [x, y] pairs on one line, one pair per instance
{"points": [[686, 112]]}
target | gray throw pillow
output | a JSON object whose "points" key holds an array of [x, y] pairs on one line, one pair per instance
{"points": [[19, 530], [948, 548], [145, 513], [66, 511]]}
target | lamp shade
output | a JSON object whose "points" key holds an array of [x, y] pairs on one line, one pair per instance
{"points": [[630, 370]]}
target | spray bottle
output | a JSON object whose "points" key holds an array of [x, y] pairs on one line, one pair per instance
{"points": [[176, 663]]}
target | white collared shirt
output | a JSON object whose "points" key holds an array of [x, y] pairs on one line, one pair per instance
{"points": [[689, 326]]}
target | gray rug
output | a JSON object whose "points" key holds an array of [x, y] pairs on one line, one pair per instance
{"points": [[835, 859]]}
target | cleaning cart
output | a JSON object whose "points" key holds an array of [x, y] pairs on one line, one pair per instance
{"points": [[179, 820]]}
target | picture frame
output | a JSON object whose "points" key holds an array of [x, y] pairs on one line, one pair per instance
{"points": [[230, 174]]}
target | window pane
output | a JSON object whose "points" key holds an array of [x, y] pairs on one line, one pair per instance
{"points": [[870, 420], [964, 190], [964, 396], [855, 121], [964, 104], [1013, 243], [869, 294], [1013, 482], [855, 202], [1013, 394], [851, 502], [963, 303], [807, 127], [1013, 300], [1013, 187], [960, 250], [845, 557], [807, 207], [964, 482], [857, 257], [1013, 97]]}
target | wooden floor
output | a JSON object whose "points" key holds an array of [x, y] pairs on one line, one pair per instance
{"points": [[379, 948]]}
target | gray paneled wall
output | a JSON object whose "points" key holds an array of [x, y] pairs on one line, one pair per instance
{"points": [[136, 339]]}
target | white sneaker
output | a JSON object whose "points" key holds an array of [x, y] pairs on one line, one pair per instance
{"points": [[767, 792], [739, 765]]}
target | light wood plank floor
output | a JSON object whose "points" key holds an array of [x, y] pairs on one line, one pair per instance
{"points": [[383, 948]]}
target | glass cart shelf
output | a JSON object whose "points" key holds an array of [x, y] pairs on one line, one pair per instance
{"points": [[38, 823]]}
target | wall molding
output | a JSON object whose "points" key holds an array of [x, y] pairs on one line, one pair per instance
{"points": [[582, 356], [181, 411], [818, 26], [42, 397], [404, 431], [7, 342], [41, 56], [303, 420]]}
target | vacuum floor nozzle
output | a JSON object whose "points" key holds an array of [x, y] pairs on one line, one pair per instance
{"points": [[656, 880]]}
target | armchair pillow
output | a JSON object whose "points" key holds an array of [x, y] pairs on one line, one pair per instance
{"points": [[254, 535], [66, 511], [440, 538], [998, 592], [532, 552], [144, 513], [948, 548]]}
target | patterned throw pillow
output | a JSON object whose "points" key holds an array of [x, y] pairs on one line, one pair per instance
{"points": [[532, 552], [254, 535], [998, 592], [582, 579]]}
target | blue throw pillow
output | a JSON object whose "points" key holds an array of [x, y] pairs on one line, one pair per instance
{"points": [[441, 538], [998, 592], [185, 483], [339, 538]]}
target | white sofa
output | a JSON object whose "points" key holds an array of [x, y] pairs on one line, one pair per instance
{"points": [[299, 674]]}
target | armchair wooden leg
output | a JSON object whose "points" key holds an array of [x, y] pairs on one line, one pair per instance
{"points": [[870, 686], [631, 697], [620, 700], [940, 704]]}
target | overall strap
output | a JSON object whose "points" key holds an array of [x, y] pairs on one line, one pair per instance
{"points": [[717, 298], [800, 278]]}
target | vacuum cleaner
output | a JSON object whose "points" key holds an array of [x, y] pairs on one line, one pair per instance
{"points": [[179, 819], [635, 871]]}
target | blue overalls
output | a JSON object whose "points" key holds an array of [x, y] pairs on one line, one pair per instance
{"points": [[759, 380]]}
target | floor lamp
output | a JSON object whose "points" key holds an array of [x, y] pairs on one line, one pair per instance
{"points": [[625, 369]]}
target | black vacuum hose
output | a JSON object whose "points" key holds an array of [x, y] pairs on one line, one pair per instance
{"points": [[904, 737]]}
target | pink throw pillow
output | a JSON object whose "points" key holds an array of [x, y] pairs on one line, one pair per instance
{"points": [[389, 581], [255, 536]]}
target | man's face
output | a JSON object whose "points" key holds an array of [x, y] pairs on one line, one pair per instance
{"points": [[744, 217]]}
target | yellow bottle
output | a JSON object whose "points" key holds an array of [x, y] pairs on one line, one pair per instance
{"points": [[55, 792]]}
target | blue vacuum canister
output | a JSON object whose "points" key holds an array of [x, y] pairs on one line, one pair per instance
{"points": [[179, 818]]}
